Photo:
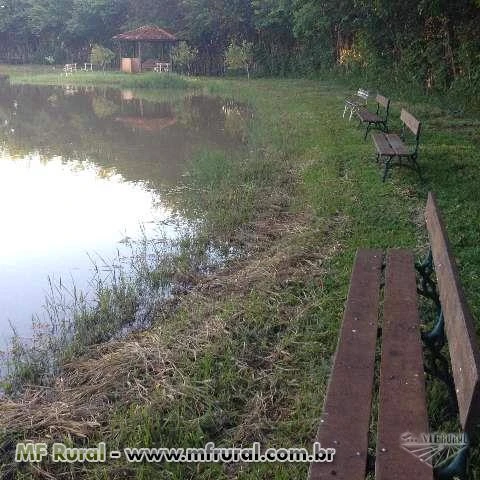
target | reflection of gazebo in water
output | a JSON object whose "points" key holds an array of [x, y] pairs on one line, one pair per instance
{"points": [[148, 117], [150, 42], [147, 124]]}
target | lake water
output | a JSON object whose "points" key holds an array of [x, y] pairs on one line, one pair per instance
{"points": [[83, 173]]}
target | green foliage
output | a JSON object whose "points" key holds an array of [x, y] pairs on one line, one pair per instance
{"points": [[103, 107], [239, 56], [183, 56], [101, 56], [431, 43]]}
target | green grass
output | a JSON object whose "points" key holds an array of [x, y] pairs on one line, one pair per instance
{"points": [[245, 355], [56, 76]]}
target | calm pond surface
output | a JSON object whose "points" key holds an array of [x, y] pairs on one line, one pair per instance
{"points": [[83, 173]]}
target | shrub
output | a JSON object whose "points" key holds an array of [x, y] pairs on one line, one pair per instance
{"points": [[101, 56]]}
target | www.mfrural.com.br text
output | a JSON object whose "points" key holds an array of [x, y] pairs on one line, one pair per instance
{"points": [[60, 453]]}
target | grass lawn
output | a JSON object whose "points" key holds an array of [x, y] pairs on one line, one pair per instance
{"points": [[245, 353]]}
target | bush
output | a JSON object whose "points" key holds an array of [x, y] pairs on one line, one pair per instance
{"points": [[101, 56], [184, 56], [239, 56]]}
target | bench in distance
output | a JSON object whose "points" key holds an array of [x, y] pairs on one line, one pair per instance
{"points": [[392, 148], [378, 119]]}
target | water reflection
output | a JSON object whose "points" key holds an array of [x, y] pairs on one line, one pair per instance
{"points": [[54, 213], [83, 170], [144, 140]]}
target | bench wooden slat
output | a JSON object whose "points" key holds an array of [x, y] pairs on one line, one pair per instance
{"points": [[347, 407], [459, 326], [367, 116], [397, 145], [410, 121], [381, 144], [402, 404]]}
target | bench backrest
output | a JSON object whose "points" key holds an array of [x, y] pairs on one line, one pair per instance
{"points": [[459, 326], [411, 122], [363, 94], [383, 102]]}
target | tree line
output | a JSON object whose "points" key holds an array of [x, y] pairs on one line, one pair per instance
{"points": [[435, 43]]}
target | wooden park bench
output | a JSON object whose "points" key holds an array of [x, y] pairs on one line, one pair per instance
{"points": [[392, 147], [378, 119], [149, 64], [355, 102], [69, 68], [402, 409], [156, 65], [162, 67]]}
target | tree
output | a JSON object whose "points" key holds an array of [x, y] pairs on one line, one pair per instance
{"points": [[239, 56], [275, 51], [101, 56], [95, 21], [183, 55]]}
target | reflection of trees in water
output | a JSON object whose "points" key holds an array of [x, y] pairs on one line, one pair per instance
{"points": [[143, 140], [103, 108], [237, 117]]}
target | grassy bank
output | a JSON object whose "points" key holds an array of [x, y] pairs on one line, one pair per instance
{"points": [[35, 75], [243, 354]]}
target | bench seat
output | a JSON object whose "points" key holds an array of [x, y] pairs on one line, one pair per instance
{"points": [[382, 145], [390, 144], [367, 116], [397, 145], [404, 448], [346, 415]]}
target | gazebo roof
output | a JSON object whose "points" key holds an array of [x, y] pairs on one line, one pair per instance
{"points": [[147, 33]]}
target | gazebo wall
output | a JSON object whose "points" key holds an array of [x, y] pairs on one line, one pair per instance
{"points": [[130, 65]]}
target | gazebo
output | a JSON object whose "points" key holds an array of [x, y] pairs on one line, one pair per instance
{"points": [[157, 44]]}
